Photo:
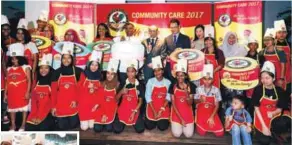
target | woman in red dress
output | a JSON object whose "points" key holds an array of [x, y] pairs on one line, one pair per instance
{"points": [[103, 33], [18, 84], [89, 86], [72, 36], [65, 92]]}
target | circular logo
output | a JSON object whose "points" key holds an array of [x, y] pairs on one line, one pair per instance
{"points": [[182, 99], [102, 46], [67, 86], [91, 91], [13, 77], [60, 19], [224, 20], [42, 95], [238, 63], [129, 98], [117, 19], [188, 55], [108, 99], [77, 49], [39, 42], [206, 105]]}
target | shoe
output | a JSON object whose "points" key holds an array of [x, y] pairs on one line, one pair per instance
{"points": [[6, 120], [21, 130]]}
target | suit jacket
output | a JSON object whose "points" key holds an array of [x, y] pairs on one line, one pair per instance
{"points": [[158, 48], [183, 41]]}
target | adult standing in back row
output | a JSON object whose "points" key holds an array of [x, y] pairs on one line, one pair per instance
{"points": [[173, 41]]}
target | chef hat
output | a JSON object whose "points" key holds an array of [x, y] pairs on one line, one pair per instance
{"points": [[47, 59], [113, 65], [181, 65], [268, 67], [43, 16], [156, 62], [16, 49], [132, 63], [208, 70], [7, 138], [22, 23], [96, 56], [252, 40], [209, 31], [4, 20], [280, 25], [68, 48], [270, 32]]}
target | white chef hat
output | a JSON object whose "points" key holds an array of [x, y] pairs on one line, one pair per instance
{"points": [[4, 20], [209, 31], [156, 62], [22, 23], [280, 25], [132, 63], [96, 56], [268, 67], [113, 65], [44, 16], [208, 70], [182, 65], [270, 32], [68, 48], [252, 40], [16, 49], [7, 138], [47, 59]]}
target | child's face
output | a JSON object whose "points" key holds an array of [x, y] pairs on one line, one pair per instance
{"points": [[93, 66], [253, 46], [131, 72], [15, 61], [281, 35], [209, 43], [44, 70], [180, 76], [158, 73], [20, 35], [268, 42], [237, 104], [66, 60], [110, 76], [207, 81], [266, 79]]}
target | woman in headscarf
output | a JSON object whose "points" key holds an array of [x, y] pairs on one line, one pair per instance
{"points": [[103, 33], [72, 36], [231, 47]]}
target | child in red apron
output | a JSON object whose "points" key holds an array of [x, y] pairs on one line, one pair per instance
{"points": [[213, 55], [268, 101], [238, 121], [65, 92], [207, 98], [157, 98], [40, 118], [182, 94], [31, 51], [18, 84], [107, 103], [131, 95], [89, 86], [278, 58]]}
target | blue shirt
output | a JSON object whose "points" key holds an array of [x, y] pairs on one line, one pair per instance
{"points": [[154, 82], [239, 115]]}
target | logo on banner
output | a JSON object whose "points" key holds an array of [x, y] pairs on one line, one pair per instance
{"points": [[60, 19], [224, 20], [117, 19], [238, 64], [188, 55]]}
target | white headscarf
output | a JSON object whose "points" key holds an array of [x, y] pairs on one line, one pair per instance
{"points": [[232, 50]]}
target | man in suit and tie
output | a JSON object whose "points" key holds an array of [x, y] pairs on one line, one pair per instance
{"points": [[173, 41], [154, 46]]}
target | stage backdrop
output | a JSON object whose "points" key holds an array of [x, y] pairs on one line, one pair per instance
{"points": [[145, 15], [243, 17], [69, 15]]}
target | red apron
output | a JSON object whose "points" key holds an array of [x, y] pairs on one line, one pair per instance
{"points": [[286, 49], [233, 121], [108, 107], [203, 113], [86, 102], [66, 94], [210, 59], [274, 58], [40, 103], [129, 103], [29, 56], [16, 88], [185, 110], [158, 99], [266, 105]]}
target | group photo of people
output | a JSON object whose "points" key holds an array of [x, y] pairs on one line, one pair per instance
{"points": [[146, 91]]}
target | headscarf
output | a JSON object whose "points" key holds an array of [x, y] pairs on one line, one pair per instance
{"points": [[92, 75], [111, 84], [44, 80], [232, 50], [76, 37]]}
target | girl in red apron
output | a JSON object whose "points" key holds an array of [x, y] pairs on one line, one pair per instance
{"points": [[89, 86], [18, 84], [31, 51], [213, 55], [65, 92], [40, 118], [268, 101], [157, 98], [131, 94], [278, 58], [238, 121], [207, 99], [182, 94], [105, 113]]}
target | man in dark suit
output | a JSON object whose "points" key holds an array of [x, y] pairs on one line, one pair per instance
{"points": [[173, 41]]}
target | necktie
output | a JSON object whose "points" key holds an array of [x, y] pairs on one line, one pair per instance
{"points": [[174, 39], [152, 42]]}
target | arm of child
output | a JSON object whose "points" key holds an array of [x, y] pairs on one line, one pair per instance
{"points": [[210, 121], [266, 130], [228, 116], [248, 120]]}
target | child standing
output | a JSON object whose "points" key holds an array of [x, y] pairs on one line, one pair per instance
{"points": [[18, 85], [208, 98], [238, 120]]}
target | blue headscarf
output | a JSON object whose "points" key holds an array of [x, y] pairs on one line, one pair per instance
{"points": [[92, 75]]}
